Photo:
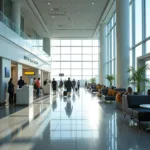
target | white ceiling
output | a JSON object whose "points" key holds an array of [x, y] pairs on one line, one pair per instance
{"points": [[69, 18]]}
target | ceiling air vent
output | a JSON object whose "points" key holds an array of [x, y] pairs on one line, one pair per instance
{"points": [[60, 26], [57, 12]]}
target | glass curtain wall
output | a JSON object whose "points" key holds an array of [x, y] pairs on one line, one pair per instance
{"points": [[77, 59], [111, 46], [139, 34], [139, 30]]}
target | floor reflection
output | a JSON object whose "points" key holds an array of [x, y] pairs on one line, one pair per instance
{"points": [[54, 104], [76, 123], [69, 108]]}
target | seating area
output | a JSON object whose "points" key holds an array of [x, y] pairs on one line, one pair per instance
{"points": [[132, 106], [110, 94], [136, 107]]}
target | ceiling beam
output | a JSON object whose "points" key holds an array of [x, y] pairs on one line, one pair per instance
{"points": [[37, 14], [104, 15]]}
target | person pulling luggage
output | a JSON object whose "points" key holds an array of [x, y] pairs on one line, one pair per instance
{"points": [[73, 84], [54, 86], [68, 87], [78, 84]]}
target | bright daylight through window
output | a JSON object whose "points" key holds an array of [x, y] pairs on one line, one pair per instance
{"points": [[77, 59]]}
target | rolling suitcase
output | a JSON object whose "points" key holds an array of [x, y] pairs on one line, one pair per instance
{"points": [[76, 89], [65, 93]]}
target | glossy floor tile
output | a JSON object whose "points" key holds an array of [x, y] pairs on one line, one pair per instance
{"points": [[75, 123]]}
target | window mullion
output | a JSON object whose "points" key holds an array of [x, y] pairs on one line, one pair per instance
{"points": [[143, 27]]}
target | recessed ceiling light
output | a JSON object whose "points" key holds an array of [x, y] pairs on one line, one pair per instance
{"points": [[52, 9], [53, 17], [49, 3], [92, 3]]}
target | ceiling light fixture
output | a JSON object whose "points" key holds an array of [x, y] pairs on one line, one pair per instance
{"points": [[52, 9], [53, 17], [49, 3], [92, 3]]}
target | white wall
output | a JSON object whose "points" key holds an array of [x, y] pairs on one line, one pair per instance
{"points": [[3, 80], [13, 52], [17, 71], [25, 44], [26, 77], [15, 48]]}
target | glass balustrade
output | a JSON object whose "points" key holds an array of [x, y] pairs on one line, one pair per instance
{"points": [[31, 44]]}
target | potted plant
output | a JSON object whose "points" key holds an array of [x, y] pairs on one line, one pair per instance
{"points": [[93, 80], [110, 78], [137, 78]]}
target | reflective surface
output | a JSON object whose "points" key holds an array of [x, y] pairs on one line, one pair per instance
{"points": [[62, 123]]}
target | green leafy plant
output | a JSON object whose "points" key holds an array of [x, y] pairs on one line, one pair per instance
{"points": [[93, 80], [137, 77], [110, 78]]}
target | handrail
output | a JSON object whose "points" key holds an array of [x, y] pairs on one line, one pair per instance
{"points": [[10, 24]]}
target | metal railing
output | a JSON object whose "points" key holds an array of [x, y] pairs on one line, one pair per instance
{"points": [[10, 24]]}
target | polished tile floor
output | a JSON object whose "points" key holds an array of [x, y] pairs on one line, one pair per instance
{"points": [[75, 123]]}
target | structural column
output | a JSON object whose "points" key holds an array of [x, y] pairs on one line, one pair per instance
{"points": [[16, 15], [46, 45], [5, 75], [17, 74], [102, 54], [122, 26], [2, 6]]}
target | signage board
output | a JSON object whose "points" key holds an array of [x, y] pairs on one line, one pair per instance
{"points": [[61, 74], [29, 73]]}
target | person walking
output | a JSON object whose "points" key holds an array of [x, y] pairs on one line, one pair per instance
{"points": [[78, 84], [60, 84], [45, 82], [68, 87], [64, 84], [73, 84], [11, 91], [38, 86], [85, 84], [54, 86], [21, 82]]}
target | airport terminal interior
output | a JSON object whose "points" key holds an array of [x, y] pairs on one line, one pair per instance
{"points": [[74, 74]]}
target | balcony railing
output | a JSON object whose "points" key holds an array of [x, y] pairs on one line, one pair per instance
{"points": [[35, 48]]}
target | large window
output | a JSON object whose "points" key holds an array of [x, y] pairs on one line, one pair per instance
{"points": [[139, 29], [138, 21], [77, 59], [131, 25], [111, 46], [147, 6], [139, 25]]}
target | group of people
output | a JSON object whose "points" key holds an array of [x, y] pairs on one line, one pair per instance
{"points": [[11, 88], [68, 85], [21, 83], [37, 85]]}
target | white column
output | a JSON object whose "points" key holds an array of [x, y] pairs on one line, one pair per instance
{"points": [[5, 75], [2, 6], [37, 73], [122, 22], [17, 74], [46, 45], [16, 14], [102, 54]]}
